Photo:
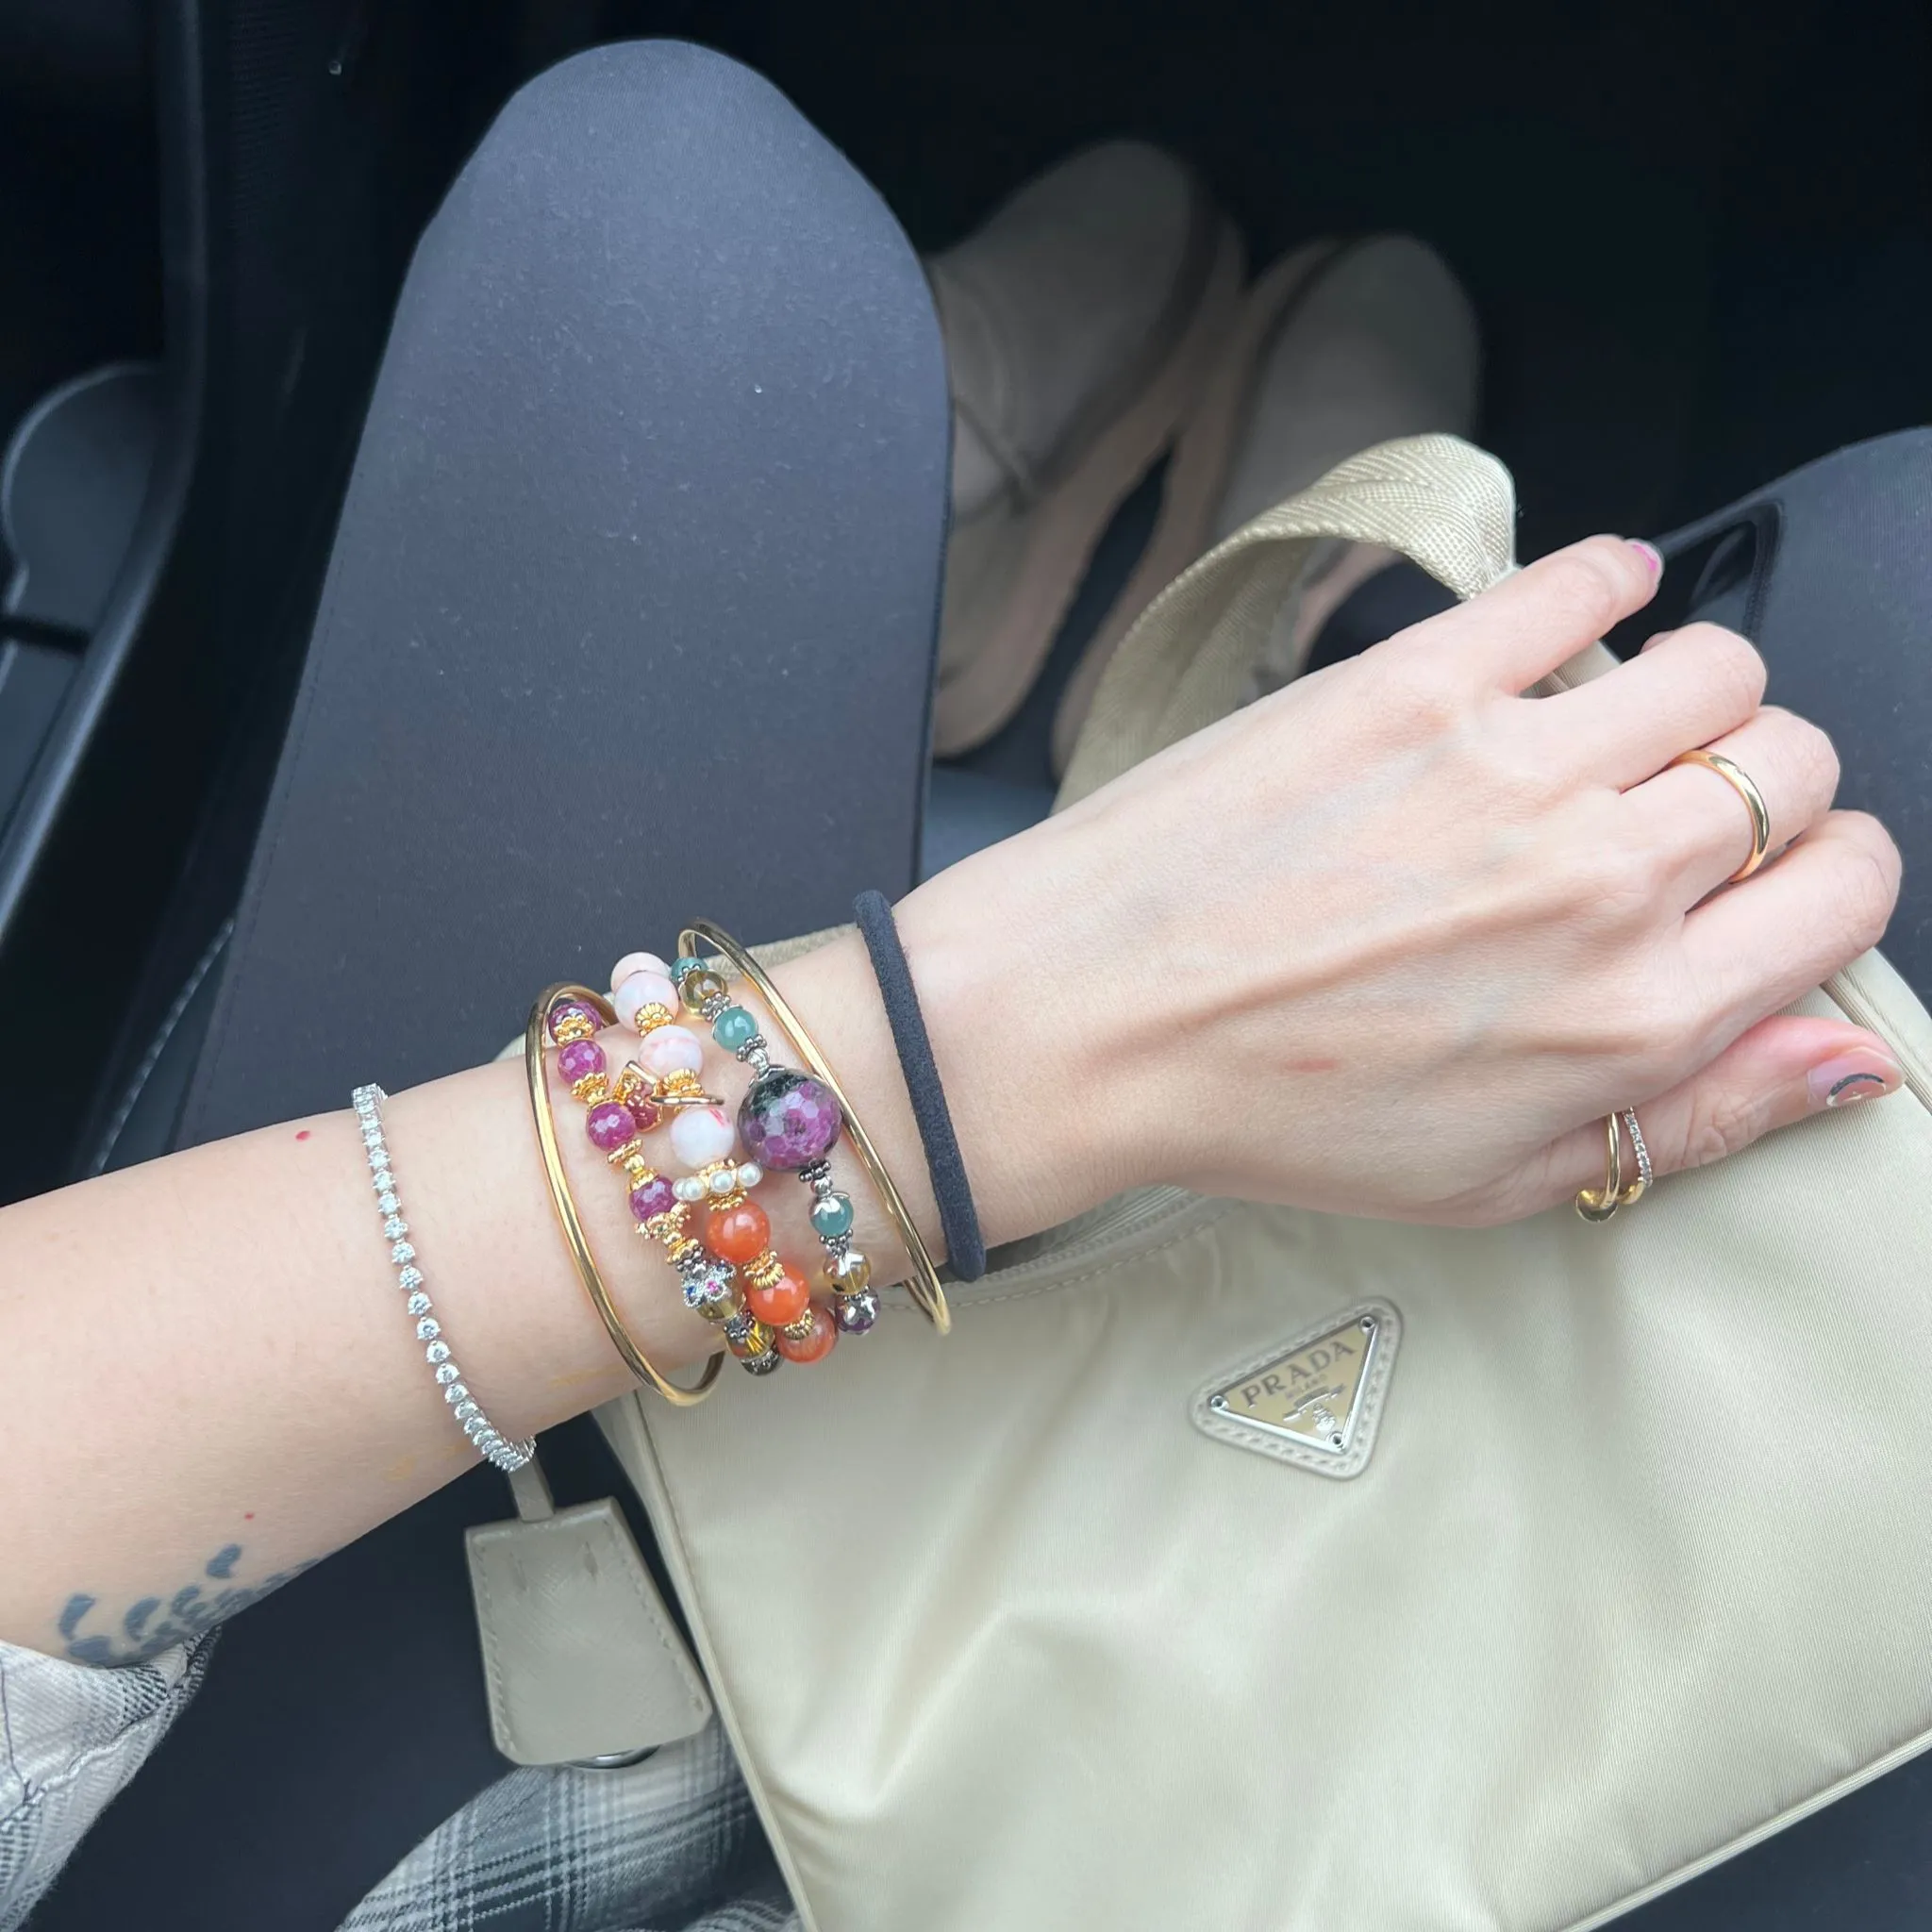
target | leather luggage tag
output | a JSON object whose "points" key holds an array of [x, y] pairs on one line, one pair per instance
{"points": [[580, 1658], [1314, 1400]]}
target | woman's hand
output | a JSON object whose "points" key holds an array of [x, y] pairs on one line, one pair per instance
{"points": [[1394, 940]]}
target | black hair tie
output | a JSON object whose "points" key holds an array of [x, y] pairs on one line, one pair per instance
{"points": [[951, 1190]]}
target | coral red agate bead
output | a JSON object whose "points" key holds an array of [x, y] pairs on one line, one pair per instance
{"points": [[738, 1234], [784, 1301], [815, 1345]]}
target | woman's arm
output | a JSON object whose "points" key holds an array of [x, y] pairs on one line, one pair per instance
{"points": [[207, 1375], [1388, 942]]}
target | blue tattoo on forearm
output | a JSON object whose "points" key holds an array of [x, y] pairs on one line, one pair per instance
{"points": [[189, 1613]]}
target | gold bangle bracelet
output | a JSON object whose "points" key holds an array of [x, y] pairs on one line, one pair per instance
{"points": [[700, 938], [634, 1359]]}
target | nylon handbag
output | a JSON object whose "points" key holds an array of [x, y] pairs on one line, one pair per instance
{"points": [[1277, 1572]]}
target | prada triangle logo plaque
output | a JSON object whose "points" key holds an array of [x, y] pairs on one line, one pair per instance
{"points": [[1313, 1399]]}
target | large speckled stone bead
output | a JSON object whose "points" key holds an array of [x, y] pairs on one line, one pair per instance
{"points": [[787, 1119]]}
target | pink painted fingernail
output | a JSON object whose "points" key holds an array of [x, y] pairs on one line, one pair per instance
{"points": [[1851, 1076], [1653, 558]]}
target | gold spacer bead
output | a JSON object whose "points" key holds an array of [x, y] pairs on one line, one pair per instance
{"points": [[575, 1027], [801, 1330], [683, 1249], [667, 1227], [682, 1082], [592, 1090], [652, 1017], [763, 1271], [632, 1150]]}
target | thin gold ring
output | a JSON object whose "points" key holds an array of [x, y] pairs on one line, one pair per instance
{"points": [[924, 1288], [1599, 1204], [635, 1360], [1745, 786]]}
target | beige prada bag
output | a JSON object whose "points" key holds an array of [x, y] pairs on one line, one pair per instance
{"points": [[1260, 1570]]}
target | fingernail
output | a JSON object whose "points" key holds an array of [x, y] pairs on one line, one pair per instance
{"points": [[1653, 558], [1852, 1077]]}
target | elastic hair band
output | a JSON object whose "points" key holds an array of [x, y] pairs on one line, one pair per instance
{"points": [[951, 1190]]}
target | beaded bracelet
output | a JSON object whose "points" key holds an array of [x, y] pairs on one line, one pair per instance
{"points": [[465, 1410], [574, 1011], [791, 1120], [776, 1315]]}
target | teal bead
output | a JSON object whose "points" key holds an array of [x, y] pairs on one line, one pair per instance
{"points": [[831, 1216], [733, 1028], [679, 968]]}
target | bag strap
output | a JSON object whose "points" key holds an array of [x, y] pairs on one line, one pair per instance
{"points": [[1188, 661]]}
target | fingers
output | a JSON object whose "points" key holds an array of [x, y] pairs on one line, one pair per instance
{"points": [[1686, 686], [1695, 820], [1524, 628], [1791, 927], [1781, 1071]]}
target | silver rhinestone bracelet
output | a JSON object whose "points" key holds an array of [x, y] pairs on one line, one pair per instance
{"points": [[464, 1408]]}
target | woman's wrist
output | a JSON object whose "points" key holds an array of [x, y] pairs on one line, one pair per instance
{"points": [[1029, 1080]]}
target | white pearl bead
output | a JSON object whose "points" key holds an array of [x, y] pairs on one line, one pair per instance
{"points": [[638, 963], [688, 1188], [723, 1181], [642, 990], [749, 1176], [670, 1050], [700, 1134]]}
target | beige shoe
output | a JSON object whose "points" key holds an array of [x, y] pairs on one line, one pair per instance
{"points": [[1339, 346], [1082, 323]]}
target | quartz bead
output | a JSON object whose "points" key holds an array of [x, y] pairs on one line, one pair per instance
{"points": [[738, 1234], [637, 962], [789, 1119], [734, 1028], [699, 987], [751, 1338], [686, 963], [831, 1216], [784, 1301], [849, 1272], [816, 1343], [670, 1050], [609, 1124], [701, 1134], [643, 990], [579, 1059], [653, 1197]]}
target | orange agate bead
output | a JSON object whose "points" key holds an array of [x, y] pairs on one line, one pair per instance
{"points": [[784, 1301], [738, 1234], [815, 1345]]}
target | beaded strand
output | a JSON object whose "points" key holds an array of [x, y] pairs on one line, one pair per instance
{"points": [[792, 1122]]}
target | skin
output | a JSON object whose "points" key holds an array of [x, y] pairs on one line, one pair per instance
{"points": [[1388, 942]]}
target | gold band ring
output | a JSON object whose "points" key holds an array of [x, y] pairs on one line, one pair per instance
{"points": [[1744, 785], [1599, 1204]]}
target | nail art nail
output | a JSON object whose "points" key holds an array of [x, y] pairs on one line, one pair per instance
{"points": [[1651, 555], [1849, 1077]]}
